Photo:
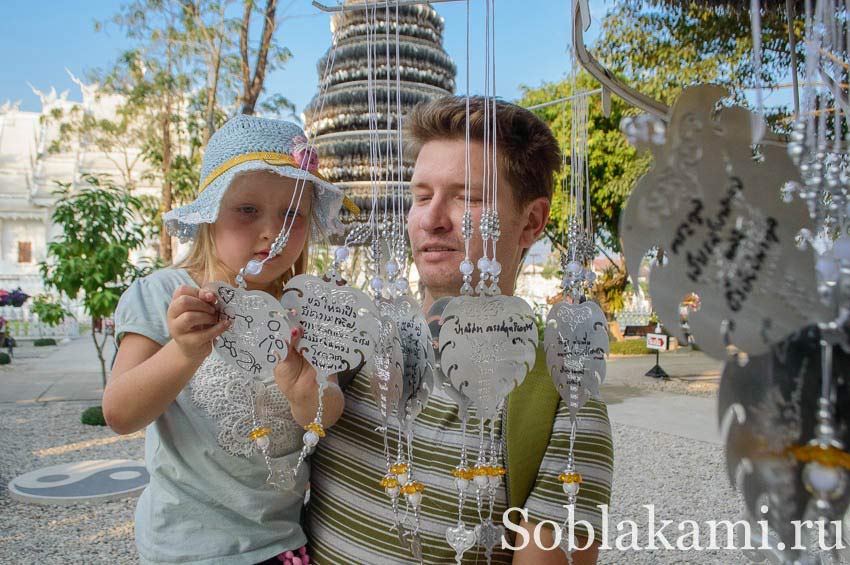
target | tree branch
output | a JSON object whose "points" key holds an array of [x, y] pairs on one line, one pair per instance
{"points": [[243, 48]]}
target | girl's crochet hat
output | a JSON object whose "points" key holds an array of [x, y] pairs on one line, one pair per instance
{"points": [[248, 143]]}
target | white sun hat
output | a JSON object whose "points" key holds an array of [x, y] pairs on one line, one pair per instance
{"points": [[248, 143]]}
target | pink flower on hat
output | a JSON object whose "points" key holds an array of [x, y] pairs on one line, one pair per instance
{"points": [[302, 151]]}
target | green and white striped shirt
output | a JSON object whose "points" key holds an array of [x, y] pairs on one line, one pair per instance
{"points": [[350, 516]]}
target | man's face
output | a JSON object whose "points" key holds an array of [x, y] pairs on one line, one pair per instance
{"points": [[434, 222]]}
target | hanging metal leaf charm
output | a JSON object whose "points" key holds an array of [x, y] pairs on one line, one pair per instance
{"points": [[576, 344], [768, 410], [717, 215], [340, 324], [386, 368], [487, 346], [418, 380], [461, 539], [258, 339], [435, 323]]}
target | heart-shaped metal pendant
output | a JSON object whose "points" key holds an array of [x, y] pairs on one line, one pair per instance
{"points": [[418, 379], [461, 539], [576, 344], [259, 337], [487, 346], [340, 324]]}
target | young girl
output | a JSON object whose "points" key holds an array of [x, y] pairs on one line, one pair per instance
{"points": [[208, 501]]}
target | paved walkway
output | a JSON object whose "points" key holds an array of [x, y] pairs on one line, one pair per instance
{"points": [[632, 402], [69, 371]]}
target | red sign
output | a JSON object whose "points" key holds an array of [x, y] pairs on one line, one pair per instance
{"points": [[656, 341]]}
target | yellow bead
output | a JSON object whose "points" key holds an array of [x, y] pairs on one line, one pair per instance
{"points": [[315, 427], [413, 487], [257, 433], [462, 473], [389, 482], [399, 469], [481, 470], [570, 478], [827, 456]]}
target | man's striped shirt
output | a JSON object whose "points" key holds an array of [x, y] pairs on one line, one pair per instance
{"points": [[350, 518]]}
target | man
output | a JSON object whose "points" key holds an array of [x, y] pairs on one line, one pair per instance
{"points": [[350, 516]]}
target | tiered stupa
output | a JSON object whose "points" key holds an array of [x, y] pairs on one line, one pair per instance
{"points": [[341, 133]]}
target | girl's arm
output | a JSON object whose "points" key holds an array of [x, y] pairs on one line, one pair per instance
{"points": [[297, 380], [147, 377]]}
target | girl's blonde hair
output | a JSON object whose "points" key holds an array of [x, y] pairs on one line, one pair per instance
{"points": [[202, 259]]}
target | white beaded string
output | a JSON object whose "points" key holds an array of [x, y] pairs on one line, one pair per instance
{"points": [[484, 220], [466, 266], [462, 473]]}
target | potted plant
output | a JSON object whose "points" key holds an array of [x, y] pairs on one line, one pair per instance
{"points": [[17, 297]]}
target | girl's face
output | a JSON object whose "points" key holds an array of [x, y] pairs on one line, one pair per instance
{"points": [[251, 215]]}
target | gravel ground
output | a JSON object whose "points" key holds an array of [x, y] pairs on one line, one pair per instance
{"points": [[683, 479], [39, 435]]}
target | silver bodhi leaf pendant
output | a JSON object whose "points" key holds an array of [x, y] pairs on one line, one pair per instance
{"points": [[716, 214], [435, 322], [576, 345], [386, 368], [258, 339], [768, 412], [418, 378], [341, 326], [487, 346]]}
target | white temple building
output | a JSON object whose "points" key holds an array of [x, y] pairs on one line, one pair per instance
{"points": [[29, 173]]}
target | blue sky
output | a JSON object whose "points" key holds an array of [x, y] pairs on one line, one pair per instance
{"points": [[39, 40]]}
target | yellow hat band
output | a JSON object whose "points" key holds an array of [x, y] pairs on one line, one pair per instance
{"points": [[274, 159]]}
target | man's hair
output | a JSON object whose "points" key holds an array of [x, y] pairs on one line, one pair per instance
{"points": [[527, 152]]}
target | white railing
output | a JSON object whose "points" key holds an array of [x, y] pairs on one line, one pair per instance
{"points": [[633, 318], [22, 323]]}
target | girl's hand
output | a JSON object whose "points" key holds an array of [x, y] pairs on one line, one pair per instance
{"points": [[193, 321], [296, 378]]}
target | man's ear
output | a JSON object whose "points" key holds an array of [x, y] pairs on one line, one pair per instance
{"points": [[535, 216]]}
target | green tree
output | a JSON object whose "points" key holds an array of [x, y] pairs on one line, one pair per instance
{"points": [[613, 164], [100, 229], [184, 76], [661, 48]]}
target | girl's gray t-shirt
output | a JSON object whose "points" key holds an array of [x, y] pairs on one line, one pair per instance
{"points": [[208, 501]]}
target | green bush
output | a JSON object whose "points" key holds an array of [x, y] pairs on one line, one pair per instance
{"points": [[43, 341], [630, 347], [5, 359], [93, 416]]}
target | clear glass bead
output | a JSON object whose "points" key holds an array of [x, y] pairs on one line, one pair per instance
{"points": [[254, 267], [341, 254]]}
